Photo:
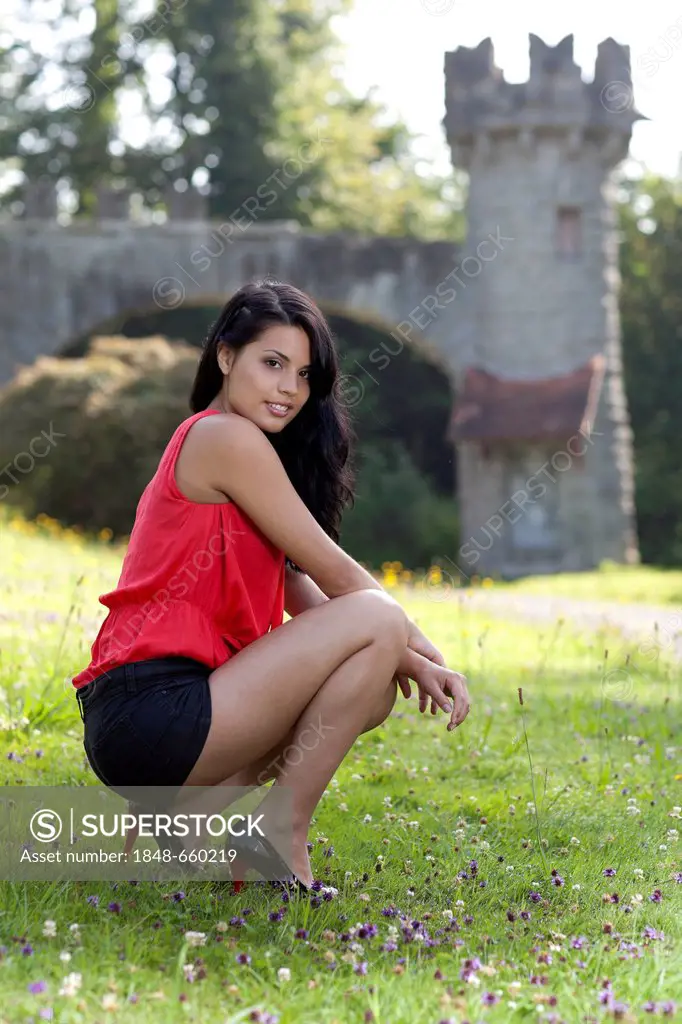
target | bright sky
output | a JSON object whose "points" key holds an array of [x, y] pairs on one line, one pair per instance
{"points": [[398, 46]]}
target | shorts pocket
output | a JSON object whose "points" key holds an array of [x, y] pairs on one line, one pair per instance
{"points": [[134, 752]]}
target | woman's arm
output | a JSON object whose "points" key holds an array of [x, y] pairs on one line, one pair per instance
{"points": [[300, 592]]}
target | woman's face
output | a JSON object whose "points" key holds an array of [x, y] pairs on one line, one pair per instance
{"points": [[273, 370]]}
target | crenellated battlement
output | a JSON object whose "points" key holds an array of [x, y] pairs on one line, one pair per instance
{"points": [[479, 101]]}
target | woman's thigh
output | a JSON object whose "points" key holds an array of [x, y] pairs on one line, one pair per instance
{"points": [[258, 694]]}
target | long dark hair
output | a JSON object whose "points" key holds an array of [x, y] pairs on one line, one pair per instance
{"points": [[316, 447]]}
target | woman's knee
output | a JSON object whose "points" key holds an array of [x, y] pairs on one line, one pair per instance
{"points": [[388, 619]]}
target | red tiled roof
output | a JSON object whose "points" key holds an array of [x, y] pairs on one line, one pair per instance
{"points": [[491, 408]]}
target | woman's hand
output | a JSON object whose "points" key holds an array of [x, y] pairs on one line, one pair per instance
{"points": [[416, 641], [445, 688]]}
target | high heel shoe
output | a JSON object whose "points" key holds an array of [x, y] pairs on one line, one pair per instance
{"points": [[259, 853]]}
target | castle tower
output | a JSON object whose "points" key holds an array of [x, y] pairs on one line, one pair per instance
{"points": [[541, 425]]}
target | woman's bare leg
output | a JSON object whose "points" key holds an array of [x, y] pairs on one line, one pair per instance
{"points": [[272, 766], [321, 675]]}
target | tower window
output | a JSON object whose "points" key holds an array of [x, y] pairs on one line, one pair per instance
{"points": [[569, 233]]}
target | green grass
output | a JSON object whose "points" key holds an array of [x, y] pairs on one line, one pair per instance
{"points": [[644, 584], [598, 733]]}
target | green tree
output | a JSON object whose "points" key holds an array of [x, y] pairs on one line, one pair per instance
{"points": [[651, 311], [58, 114]]}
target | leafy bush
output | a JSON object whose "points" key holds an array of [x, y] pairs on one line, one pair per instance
{"points": [[397, 516], [110, 416]]}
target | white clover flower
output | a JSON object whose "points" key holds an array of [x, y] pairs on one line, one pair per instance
{"points": [[448, 914], [577, 887], [343, 807], [367, 818], [65, 956], [388, 802], [284, 974], [49, 929], [509, 867], [413, 824], [638, 873], [663, 847], [575, 841], [195, 938], [356, 778], [637, 899], [188, 971], [109, 1001], [388, 763], [673, 835], [459, 903], [71, 983]]}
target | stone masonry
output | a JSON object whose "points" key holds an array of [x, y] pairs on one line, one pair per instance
{"points": [[539, 157]]}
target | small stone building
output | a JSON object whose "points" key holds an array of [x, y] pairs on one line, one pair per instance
{"points": [[541, 426]]}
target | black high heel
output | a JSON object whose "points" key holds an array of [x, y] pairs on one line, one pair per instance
{"points": [[259, 853]]}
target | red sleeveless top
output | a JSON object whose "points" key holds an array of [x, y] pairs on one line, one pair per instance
{"points": [[198, 580]]}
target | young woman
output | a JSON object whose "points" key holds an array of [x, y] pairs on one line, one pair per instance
{"points": [[194, 678]]}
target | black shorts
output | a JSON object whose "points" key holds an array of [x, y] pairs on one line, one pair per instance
{"points": [[146, 722]]}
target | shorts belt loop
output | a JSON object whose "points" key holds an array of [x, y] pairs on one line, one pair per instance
{"points": [[129, 672]]}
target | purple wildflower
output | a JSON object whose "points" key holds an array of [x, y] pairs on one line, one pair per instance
{"points": [[276, 915], [301, 933], [490, 999], [669, 1008], [609, 872], [678, 878], [388, 947], [36, 987], [237, 921], [361, 968], [93, 901], [27, 950], [115, 908], [243, 958], [177, 896], [535, 897], [580, 942], [388, 911], [558, 880], [656, 896], [525, 915]]}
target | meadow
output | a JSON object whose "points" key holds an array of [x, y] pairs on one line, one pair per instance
{"points": [[524, 867]]}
